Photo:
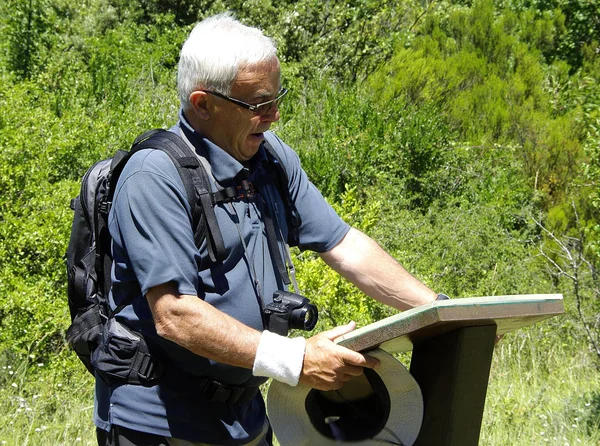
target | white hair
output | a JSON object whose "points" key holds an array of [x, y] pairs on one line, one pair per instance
{"points": [[215, 51]]}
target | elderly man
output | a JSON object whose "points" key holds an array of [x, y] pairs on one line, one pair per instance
{"points": [[206, 318]]}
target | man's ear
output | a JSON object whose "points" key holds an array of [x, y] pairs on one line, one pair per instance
{"points": [[198, 99]]}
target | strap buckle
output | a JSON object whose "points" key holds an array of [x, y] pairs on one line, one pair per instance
{"points": [[235, 193], [221, 393], [104, 207], [246, 189], [149, 369]]}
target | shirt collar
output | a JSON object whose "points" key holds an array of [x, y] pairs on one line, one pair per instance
{"points": [[225, 168]]}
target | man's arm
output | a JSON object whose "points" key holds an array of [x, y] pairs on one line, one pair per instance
{"points": [[206, 331], [359, 259], [199, 327]]}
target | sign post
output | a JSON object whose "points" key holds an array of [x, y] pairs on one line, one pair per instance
{"points": [[452, 343]]}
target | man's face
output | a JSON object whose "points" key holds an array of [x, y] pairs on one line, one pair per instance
{"points": [[235, 129]]}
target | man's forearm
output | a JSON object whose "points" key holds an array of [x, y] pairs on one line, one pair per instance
{"points": [[201, 328], [206, 331], [362, 261]]}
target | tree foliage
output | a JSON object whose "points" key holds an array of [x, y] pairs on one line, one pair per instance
{"points": [[442, 129]]}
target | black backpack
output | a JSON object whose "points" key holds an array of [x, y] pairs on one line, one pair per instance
{"points": [[89, 257]]}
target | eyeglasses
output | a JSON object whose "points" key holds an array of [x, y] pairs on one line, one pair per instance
{"points": [[259, 109]]}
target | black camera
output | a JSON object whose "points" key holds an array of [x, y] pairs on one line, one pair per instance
{"points": [[290, 310]]}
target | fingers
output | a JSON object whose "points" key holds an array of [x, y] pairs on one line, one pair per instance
{"points": [[339, 331], [351, 357], [370, 362], [351, 371], [327, 366]]}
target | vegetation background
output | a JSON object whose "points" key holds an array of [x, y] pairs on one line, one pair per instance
{"points": [[463, 135]]}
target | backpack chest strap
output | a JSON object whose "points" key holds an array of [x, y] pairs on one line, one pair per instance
{"points": [[234, 193]]}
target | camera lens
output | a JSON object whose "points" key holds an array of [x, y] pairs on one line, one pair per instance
{"points": [[304, 318]]}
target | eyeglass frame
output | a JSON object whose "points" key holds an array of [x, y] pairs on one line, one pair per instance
{"points": [[252, 107]]}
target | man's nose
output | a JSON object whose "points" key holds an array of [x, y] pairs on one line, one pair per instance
{"points": [[272, 114]]}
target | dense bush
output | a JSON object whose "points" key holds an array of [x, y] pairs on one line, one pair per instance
{"points": [[463, 136]]}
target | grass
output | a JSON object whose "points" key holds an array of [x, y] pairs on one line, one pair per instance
{"points": [[45, 407], [544, 389]]}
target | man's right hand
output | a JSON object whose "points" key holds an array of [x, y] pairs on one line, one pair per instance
{"points": [[327, 366]]}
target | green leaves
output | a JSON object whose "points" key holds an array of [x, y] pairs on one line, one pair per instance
{"points": [[26, 23], [440, 129], [338, 301]]}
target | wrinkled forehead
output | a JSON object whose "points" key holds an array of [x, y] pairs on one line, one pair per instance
{"points": [[262, 79], [259, 68]]}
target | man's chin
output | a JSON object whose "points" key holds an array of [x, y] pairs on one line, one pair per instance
{"points": [[252, 145], [254, 141], [256, 138]]}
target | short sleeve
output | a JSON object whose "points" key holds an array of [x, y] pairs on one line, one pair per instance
{"points": [[321, 229], [150, 223]]}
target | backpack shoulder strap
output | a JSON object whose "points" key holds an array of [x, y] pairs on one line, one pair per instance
{"points": [[185, 161], [281, 180], [196, 183]]}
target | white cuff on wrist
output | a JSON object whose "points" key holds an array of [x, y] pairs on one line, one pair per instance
{"points": [[279, 358]]}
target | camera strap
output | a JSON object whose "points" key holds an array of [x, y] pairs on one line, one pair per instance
{"points": [[283, 263], [288, 260], [253, 275], [272, 243], [291, 267]]}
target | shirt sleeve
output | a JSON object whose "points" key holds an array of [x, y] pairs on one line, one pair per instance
{"points": [[150, 222], [321, 229]]}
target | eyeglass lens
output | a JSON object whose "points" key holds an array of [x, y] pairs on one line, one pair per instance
{"points": [[263, 109]]}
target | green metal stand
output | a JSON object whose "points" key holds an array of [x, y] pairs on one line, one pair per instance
{"points": [[452, 370]]}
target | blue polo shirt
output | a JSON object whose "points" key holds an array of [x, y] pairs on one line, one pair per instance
{"points": [[153, 243]]}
